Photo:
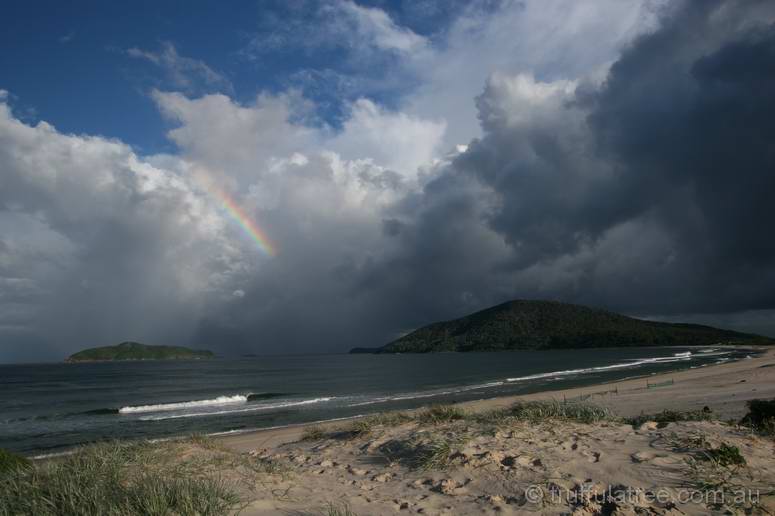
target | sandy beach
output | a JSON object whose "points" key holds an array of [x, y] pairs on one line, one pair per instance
{"points": [[496, 464]]}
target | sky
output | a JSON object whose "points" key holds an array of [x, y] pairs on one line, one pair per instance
{"points": [[309, 176]]}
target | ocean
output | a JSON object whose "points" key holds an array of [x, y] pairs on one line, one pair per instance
{"points": [[47, 408]]}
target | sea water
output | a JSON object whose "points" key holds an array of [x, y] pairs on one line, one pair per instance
{"points": [[46, 408]]}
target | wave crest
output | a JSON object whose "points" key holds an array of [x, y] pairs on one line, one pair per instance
{"points": [[161, 407]]}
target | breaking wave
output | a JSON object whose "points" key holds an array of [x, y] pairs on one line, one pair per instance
{"points": [[161, 407], [623, 365], [254, 408]]}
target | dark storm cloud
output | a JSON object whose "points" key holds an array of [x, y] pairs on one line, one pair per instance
{"points": [[651, 193], [688, 114], [647, 192]]}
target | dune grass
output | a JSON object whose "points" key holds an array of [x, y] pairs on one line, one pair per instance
{"points": [[437, 414], [204, 441], [532, 411], [673, 416], [436, 453], [11, 462], [365, 426], [313, 433], [726, 455], [116, 478], [580, 412], [424, 451], [333, 509]]}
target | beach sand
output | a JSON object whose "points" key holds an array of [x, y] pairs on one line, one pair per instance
{"points": [[539, 467]]}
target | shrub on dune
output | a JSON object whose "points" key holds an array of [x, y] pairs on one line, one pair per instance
{"points": [[761, 416]]}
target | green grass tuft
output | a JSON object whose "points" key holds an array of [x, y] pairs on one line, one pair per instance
{"points": [[360, 428], [726, 455], [312, 433], [435, 453], [389, 418], [367, 425], [113, 479], [11, 462], [673, 416], [333, 509], [204, 441], [537, 411], [437, 414]]}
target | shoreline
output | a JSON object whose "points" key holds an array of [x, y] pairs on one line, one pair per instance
{"points": [[632, 396], [284, 434], [471, 458]]}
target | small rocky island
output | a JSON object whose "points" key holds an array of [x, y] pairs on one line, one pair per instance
{"points": [[137, 351]]}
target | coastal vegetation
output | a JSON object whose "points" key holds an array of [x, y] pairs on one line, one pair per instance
{"points": [[672, 416], [137, 351], [525, 324], [117, 478], [187, 476], [761, 416], [198, 475], [11, 462]]}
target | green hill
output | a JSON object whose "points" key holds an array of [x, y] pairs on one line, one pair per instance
{"points": [[547, 324], [137, 351]]}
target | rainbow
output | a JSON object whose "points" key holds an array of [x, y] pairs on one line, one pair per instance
{"points": [[235, 212], [232, 208], [243, 220]]}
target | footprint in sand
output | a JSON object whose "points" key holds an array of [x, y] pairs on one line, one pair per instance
{"points": [[658, 459], [511, 461], [570, 444]]}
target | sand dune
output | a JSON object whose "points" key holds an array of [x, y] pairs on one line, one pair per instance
{"points": [[483, 462]]}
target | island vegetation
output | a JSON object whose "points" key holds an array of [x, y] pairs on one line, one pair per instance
{"points": [[527, 324], [137, 351]]}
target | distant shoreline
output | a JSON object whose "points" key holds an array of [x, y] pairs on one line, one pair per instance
{"points": [[689, 391], [487, 401], [100, 361]]}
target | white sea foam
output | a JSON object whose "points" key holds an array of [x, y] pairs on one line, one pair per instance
{"points": [[553, 375], [623, 365], [427, 394], [163, 407], [253, 408], [224, 404]]}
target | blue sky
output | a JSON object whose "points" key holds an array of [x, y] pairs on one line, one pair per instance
{"points": [[398, 163], [72, 65]]}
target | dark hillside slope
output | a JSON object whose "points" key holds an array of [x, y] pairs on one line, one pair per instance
{"points": [[527, 324]]}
